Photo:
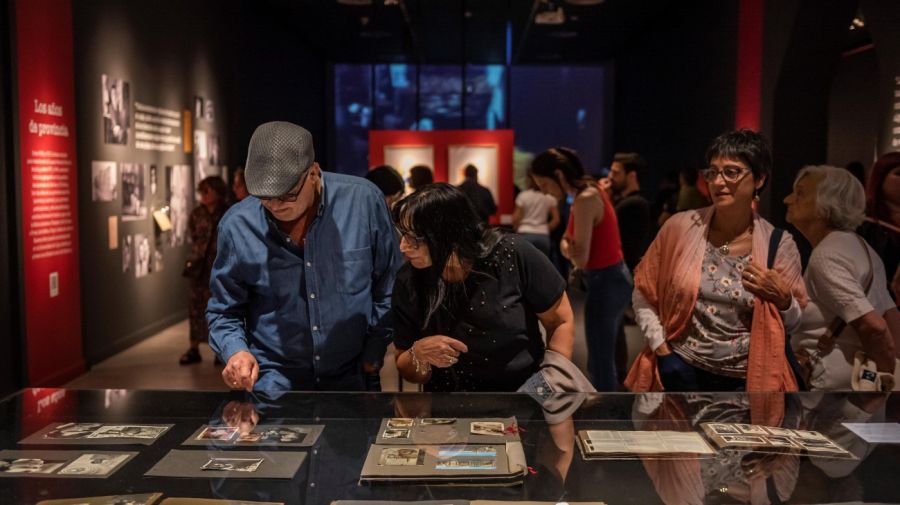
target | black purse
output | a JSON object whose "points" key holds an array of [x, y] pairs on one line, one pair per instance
{"points": [[796, 368]]}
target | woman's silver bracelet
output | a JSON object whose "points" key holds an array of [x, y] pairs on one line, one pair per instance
{"points": [[422, 368]]}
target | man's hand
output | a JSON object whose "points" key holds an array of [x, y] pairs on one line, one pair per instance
{"points": [[439, 350], [241, 371], [241, 415]]}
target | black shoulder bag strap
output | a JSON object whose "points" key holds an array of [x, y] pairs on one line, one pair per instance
{"points": [[774, 240]]}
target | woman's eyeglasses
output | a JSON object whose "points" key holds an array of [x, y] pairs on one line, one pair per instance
{"points": [[730, 174], [412, 239]]}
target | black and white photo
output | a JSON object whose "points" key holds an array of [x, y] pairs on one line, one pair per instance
{"points": [[127, 252], [127, 431], [180, 196], [494, 429], [116, 100], [104, 181], [29, 465], [400, 422], [220, 433], [70, 431], [232, 464], [396, 433], [141, 255], [134, 202], [94, 464]]}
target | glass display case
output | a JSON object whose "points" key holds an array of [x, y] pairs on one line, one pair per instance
{"points": [[316, 448]]}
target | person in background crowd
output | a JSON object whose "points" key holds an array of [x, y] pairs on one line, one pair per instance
{"points": [[301, 287], [239, 185], [858, 170], [713, 315], [468, 301], [666, 199], [536, 215], [389, 181], [827, 204], [480, 196], [591, 242], [420, 176], [632, 208], [203, 228], [563, 206], [689, 197], [882, 226]]}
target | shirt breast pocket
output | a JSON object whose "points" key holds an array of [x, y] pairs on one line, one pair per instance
{"points": [[351, 270]]}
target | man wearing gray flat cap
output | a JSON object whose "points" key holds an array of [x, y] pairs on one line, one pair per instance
{"points": [[301, 285]]}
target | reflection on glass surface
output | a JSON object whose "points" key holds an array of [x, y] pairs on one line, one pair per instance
{"points": [[485, 97], [548, 430]]}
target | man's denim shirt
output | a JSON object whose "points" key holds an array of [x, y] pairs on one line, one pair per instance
{"points": [[312, 312]]}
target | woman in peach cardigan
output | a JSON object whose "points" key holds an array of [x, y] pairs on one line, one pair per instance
{"points": [[714, 316]]}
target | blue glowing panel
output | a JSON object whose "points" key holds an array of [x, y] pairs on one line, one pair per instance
{"points": [[352, 118], [440, 97], [485, 97], [563, 105], [395, 97]]}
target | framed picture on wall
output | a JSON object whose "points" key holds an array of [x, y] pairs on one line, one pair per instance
{"points": [[484, 158], [403, 158]]}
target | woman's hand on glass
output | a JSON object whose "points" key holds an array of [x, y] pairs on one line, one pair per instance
{"points": [[440, 350], [768, 285]]}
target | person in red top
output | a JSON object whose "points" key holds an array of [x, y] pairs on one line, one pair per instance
{"points": [[591, 243]]}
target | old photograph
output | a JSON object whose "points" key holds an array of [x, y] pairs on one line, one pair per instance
{"points": [[141, 255], [116, 104], [283, 434], [466, 464], [127, 253], [232, 464], [494, 429], [779, 441], [94, 464], [396, 433], [29, 465], [436, 420], [744, 440], [751, 429], [397, 456], [220, 433], [134, 202], [724, 429], [70, 431], [128, 431], [104, 181], [400, 422], [180, 197]]}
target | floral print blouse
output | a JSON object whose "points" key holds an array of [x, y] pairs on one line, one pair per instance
{"points": [[718, 336]]}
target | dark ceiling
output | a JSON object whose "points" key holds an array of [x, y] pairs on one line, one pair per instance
{"points": [[472, 31]]}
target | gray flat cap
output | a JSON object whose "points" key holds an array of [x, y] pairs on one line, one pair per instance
{"points": [[278, 155]]}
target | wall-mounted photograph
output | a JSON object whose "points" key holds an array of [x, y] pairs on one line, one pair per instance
{"points": [[116, 100]]}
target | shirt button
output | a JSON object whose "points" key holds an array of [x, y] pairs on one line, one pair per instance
{"points": [[317, 358], [312, 295], [309, 263], [315, 328]]}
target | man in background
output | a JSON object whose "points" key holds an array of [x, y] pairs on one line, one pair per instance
{"points": [[632, 207], [479, 195]]}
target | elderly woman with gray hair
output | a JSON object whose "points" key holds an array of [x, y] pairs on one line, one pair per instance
{"points": [[850, 309]]}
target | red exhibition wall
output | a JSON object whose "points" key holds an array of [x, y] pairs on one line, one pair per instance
{"points": [[442, 141], [48, 191]]}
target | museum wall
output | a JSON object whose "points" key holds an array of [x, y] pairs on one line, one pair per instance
{"points": [[675, 86], [853, 110], [10, 350], [146, 73], [230, 66]]}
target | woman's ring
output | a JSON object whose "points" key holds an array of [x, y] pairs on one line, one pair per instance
{"points": [[451, 360], [750, 277]]}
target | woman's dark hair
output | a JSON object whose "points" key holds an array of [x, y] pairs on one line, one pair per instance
{"points": [[747, 146], [875, 204], [566, 161], [214, 183], [419, 176], [442, 216]]}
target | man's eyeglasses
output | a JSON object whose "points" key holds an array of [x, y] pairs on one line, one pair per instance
{"points": [[731, 174], [288, 197], [412, 239]]}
